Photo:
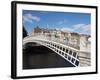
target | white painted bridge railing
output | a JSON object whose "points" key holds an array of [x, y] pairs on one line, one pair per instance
{"points": [[74, 56]]}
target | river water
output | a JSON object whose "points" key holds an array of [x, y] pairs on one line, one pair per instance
{"points": [[36, 57]]}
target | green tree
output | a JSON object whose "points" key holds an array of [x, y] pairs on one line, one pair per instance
{"points": [[25, 33]]}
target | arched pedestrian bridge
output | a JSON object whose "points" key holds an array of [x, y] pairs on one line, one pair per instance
{"points": [[72, 55]]}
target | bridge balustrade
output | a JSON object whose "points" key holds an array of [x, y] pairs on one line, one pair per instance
{"points": [[74, 56], [64, 52]]}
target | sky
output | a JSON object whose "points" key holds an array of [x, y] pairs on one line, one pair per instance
{"points": [[65, 21]]}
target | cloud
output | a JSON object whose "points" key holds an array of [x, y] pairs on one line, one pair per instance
{"points": [[30, 18], [87, 28], [67, 29], [78, 28], [36, 18], [25, 18], [82, 28], [62, 22]]}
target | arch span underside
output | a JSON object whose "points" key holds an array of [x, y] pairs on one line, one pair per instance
{"points": [[66, 52]]}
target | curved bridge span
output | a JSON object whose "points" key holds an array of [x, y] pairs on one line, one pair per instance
{"points": [[72, 55]]}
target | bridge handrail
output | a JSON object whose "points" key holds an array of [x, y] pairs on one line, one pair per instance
{"points": [[67, 42], [54, 42], [77, 50]]}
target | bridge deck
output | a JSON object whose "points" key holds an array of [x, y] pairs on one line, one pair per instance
{"points": [[42, 57]]}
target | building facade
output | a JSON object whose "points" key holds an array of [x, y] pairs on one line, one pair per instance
{"points": [[72, 39]]}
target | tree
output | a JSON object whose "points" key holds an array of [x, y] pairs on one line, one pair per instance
{"points": [[25, 33]]}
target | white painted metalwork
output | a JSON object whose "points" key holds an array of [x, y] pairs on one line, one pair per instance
{"points": [[68, 53]]}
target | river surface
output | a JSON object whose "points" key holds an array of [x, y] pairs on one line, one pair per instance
{"points": [[36, 57]]}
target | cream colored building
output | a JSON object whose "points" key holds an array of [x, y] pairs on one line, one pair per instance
{"points": [[79, 41]]}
